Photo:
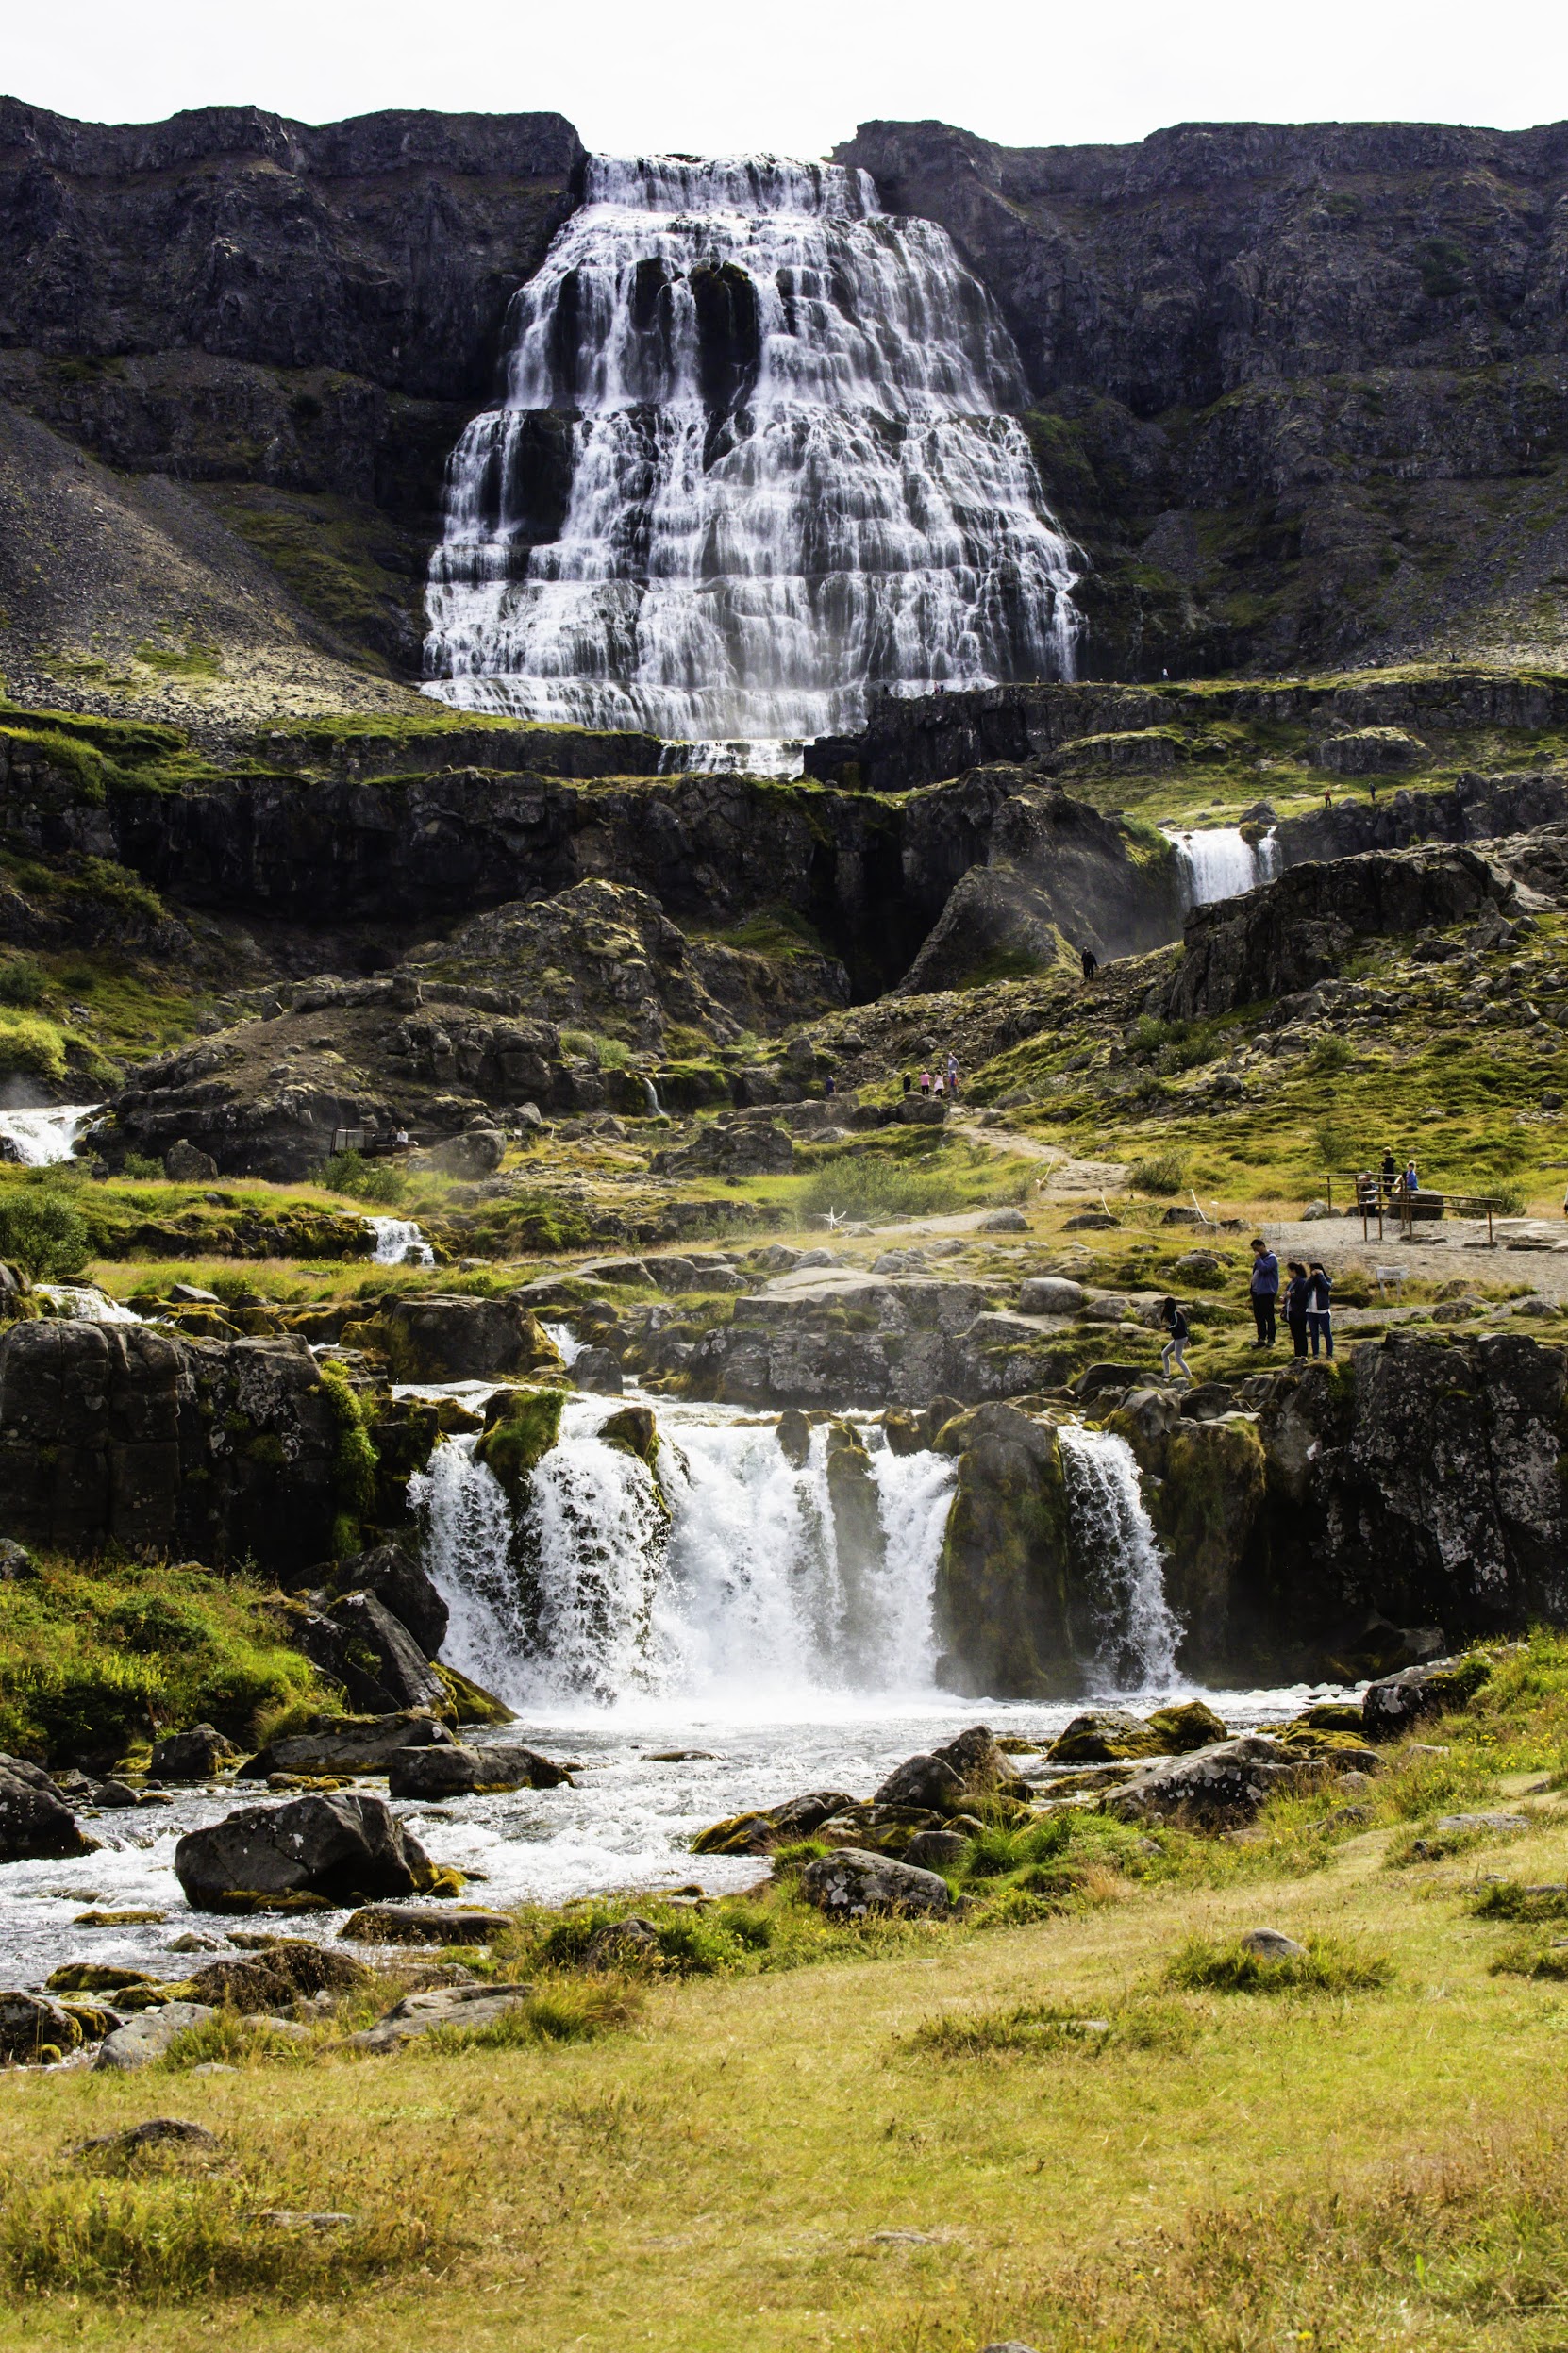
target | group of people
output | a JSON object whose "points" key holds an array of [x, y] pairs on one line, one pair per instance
{"points": [[945, 1083], [1306, 1300]]}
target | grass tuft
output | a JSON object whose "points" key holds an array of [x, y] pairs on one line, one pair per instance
{"points": [[1328, 1966]]}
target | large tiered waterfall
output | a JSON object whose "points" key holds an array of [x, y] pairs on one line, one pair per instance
{"points": [[748, 1578], [754, 459], [1219, 862]]}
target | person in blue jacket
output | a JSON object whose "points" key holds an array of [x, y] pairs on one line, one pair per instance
{"points": [[1266, 1293]]}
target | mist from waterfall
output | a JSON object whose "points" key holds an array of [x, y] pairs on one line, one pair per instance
{"points": [[742, 1587], [754, 460]]}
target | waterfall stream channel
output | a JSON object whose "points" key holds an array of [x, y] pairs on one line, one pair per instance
{"points": [[735, 1634]]}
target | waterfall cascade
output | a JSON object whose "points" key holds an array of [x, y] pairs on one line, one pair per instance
{"points": [[1131, 1631], [399, 1243], [1219, 863], [754, 1578], [39, 1138], [754, 460]]}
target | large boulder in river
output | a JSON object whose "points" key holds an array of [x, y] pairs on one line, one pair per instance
{"points": [[457, 1772], [951, 1777], [850, 1883], [195, 1755], [36, 1824], [344, 1847]]}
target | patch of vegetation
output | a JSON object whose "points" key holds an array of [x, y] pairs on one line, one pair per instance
{"points": [[1163, 1175], [1053, 2031], [1328, 1965], [42, 1231], [194, 659], [378, 1182], [31, 1045], [93, 1659]]}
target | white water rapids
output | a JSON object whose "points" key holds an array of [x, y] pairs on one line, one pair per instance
{"points": [[750, 1588], [39, 1138], [754, 459]]}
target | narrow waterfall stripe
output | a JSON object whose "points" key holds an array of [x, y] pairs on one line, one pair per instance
{"points": [[755, 459], [1131, 1631]]}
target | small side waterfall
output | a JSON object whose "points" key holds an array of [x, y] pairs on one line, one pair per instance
{"points": [[755, 456], [1219, 863], [399, 1243], [39, 1138], [761, 1578], [1131, 1631], [84, 1303]]}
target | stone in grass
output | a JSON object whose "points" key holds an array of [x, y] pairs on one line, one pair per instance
{"points": [[160, 2136], [1005, 1221], [1501, 1824], [34, 2027], [1007, 2345], [142, 2039], [850, 1883], [425, 1924], [416, 2014], [1272, 1944]]}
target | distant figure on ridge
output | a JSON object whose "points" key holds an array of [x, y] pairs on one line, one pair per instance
{"points": [[1090, 963], [952, 1074]]}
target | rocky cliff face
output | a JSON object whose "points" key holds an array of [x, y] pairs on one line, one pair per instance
{"points": [[1301, 389], [299, 317]]}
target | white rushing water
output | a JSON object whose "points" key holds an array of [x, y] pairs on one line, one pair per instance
{"points": [[41, 1137], [1218, 863], [1131, 1632], [84, 1303], [399, 1243], [744, 1585], [755, 457]]}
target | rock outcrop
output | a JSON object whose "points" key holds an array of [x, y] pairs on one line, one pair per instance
{"points": [[342, 1848]]}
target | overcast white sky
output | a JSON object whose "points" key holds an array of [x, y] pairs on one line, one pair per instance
{"points": [[712, 75]]}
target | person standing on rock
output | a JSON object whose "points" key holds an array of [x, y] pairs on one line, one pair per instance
{"points": [[1320, 1305], [1090, 963], [909, 1084], [1265, 1291], [1295, 1307], [924, 1082], [1178, 1330]]}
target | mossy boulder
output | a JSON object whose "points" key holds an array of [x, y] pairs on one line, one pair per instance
{"points": [[430, 1337], [521, 1426], [1002, 1604], [1105, 1736], [1180, 1729]]}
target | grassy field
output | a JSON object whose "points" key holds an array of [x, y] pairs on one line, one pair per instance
{"points": [[1061, 2119]]}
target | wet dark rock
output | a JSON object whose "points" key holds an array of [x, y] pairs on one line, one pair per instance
{"points": [[343, 1846], [35, 1821], [1391, 1707], [386, 1669], [457, 1772], [193, 1755], [31, 2025], [398, 1578], [346, 1745], [851, 1883], [426, 1337]]}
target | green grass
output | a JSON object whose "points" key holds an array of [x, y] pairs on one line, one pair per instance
{"points": [[94, 1660], [1328, 1966]]}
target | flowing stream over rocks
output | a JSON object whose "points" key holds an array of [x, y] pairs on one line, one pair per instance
{"points": [[762, 1629], [39, 1138], [754, 460]]}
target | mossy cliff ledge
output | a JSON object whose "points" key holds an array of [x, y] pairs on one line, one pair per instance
{"points": [[1408, 1494]]}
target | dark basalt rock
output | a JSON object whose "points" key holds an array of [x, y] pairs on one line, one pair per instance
{"points": [[346, 1745], [385, 1669], [397, 1578], [457, 1772], [35, 1821], [193, 1756], [850, 1883], [337, 1847]]}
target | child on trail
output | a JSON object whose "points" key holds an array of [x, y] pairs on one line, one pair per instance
{"points": [[1264, 1291], [1320, 1305], [1177, 1326]]}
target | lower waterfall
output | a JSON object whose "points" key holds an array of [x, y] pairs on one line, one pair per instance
{"points": [[1131, 1632], [751, 1576]]}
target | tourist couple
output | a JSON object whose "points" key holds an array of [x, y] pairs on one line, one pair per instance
{"points": [[1308, 1301]]}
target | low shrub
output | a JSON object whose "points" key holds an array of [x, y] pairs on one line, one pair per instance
{"points": [[30, 1043], [1162, 1176], [22, 982], [1510, 1899], [1326, 1966], [1527, 1958], [378, 1182], [567, 2012], [1053, 2031]]}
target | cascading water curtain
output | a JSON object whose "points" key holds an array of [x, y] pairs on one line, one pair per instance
{"points": [[1128, 1629], [756, 455]]}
